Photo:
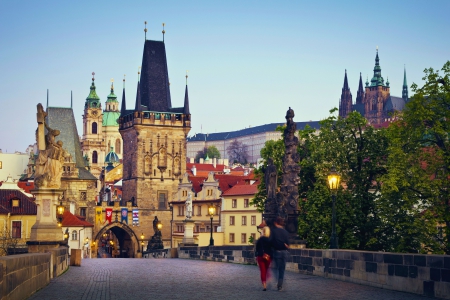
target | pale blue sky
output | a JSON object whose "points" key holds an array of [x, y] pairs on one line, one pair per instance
{"points": [[248, 61]]}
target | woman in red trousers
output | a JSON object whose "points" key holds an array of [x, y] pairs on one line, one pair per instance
{"points": [[264, 255]]}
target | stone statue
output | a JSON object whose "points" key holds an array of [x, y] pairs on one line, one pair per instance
{"points": [[155, 225], [270, 179], [51, 154], [189, 206]]}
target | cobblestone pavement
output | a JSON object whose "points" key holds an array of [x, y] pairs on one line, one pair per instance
{"points": [[127, 278]]}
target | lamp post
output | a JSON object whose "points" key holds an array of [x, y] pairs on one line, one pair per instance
{"points": [[142, 243], [212, 211], [60, 212], [334, 180], [171, 226]]}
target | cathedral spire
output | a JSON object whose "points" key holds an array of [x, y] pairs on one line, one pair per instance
{"points": [[345, 81], [186, 99], [138, 106], [377, 79], [346, 101], [360, 93], [124, 105], [405, 86]]}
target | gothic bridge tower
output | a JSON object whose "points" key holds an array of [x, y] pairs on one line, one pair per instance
{"points": [[154, 142]]}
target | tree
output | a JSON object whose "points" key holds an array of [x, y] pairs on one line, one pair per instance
{"points": [[7, 241], [238, 152], [200, 154], [419, 167], [213, 152]]}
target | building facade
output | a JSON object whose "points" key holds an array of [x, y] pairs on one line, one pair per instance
{"points": [[374, 102]]}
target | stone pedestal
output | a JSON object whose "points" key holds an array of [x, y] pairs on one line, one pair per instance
{"points": [[188, 238], [46, 233], [75, 257]]}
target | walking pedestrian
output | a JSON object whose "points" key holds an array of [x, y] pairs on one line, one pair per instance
{"points": [[264, 255], [279, 239]]}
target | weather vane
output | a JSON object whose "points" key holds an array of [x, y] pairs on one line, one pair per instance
{"points": [[163, 31], [187, 75]]}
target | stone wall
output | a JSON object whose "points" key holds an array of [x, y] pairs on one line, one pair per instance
{"points": [[23, 274], [427, 275]]}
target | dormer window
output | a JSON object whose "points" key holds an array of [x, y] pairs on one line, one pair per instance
{"points": [[15, 202]]}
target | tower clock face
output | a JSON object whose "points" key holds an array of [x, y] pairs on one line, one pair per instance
{"points": [[94, 112]]}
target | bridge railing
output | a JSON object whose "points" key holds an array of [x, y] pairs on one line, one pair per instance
{"points": [[414, 273]]}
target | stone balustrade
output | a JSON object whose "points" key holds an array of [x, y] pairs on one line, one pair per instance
{"points": [[23, 274], [427, 275]]}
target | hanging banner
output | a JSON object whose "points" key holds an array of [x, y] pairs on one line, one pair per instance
{"points": [[135, 217], [98, 215], [124, 215], [109, 215]]}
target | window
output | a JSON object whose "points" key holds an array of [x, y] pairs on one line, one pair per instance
{"points": [[231, 237], [180, 228], [253, 220], [94, 157], [83, 211], [234, 203], [74, 235], [245, 202], [244, 238], [244, 220], [162, 202], [181, 210], [17, 229], [199, 210], [231, 220], [197, 228], [215, 228], [94, 128], [15, 202]]}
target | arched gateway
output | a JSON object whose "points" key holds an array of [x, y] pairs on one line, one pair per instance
{"points": [[128, 241]]}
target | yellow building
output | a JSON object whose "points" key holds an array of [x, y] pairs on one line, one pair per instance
{"points": [[239, 218], [17, 216]]}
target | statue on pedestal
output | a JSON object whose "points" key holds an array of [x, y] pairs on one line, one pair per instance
{"points": [[189, 206], [51, 154]]}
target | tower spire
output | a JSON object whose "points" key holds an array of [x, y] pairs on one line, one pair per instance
{"points": [[145, 30], [47, 99], [377, 79], [186, 98], [360, 93], [405, 85], [345, 81], [124, 105], [71, 100], [346, 101]]}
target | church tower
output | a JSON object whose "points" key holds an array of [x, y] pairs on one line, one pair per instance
{"points": [[93, 144], [376, 95], [345, 105], [360, 93], [154, 141], [111, 114]]}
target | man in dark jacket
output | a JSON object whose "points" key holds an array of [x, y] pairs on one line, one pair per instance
{"points": [[279, 238]]}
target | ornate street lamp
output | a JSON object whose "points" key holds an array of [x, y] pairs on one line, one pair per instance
{"points": [[66, 234], [60, 212], [159, 225], [142, 243], [211, 211], [334, 181]]}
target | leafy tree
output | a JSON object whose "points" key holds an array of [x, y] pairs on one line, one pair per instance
{"points": [[211, 151], [238, 152], [7, 241], [419, 163]]}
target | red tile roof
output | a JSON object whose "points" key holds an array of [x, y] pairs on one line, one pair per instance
{"points": [[242, 189], [27, 186], [26, 204], [70, 220]]}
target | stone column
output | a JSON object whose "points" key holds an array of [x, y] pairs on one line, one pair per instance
{"points": [[46, 233]]}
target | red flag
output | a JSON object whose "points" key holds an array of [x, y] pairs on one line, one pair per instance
{"points": [[108, 215]]}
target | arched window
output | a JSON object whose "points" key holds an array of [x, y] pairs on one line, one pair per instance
{"points": [[94, 128], [94, 157], [117, 148], [74, 235]]}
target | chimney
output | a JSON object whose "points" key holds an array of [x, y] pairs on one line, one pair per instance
{"points": [[194, 170], [191, 160], [225, 161], [214, 162], [201, 160], [220, 162]]}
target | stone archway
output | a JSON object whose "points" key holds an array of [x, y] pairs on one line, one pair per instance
{"points": [[125, 235]]}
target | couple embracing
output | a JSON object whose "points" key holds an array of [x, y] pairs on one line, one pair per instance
{"points": [[273, 245]]}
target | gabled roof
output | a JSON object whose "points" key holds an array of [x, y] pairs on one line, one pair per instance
{"points": [[394, 103], [247, 131], [26, 205], [242, 189], [70, 220]]}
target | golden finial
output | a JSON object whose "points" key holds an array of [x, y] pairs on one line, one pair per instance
{"points": [[93, 75], [145, 30], [163, 31], [187, 75], [112, 79]]}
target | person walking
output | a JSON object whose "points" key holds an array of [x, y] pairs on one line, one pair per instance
{"points": [[279, 238], [264, 255]]}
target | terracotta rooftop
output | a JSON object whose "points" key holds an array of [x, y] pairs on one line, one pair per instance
{"points": [[242, 189], [70, 220]]}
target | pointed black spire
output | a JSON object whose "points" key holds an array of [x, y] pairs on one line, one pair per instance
{"points": [[405, 86], [138, 106], [360, 93], [47, 99], [186, 102], [124, 105], [345, 81]]}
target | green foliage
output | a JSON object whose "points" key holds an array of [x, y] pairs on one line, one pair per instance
{"points": [[213, 152], [419, 161]]}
